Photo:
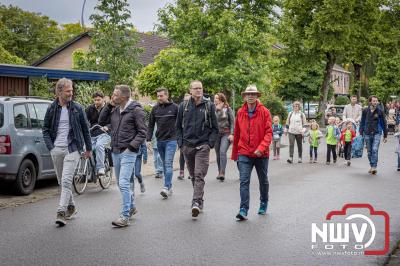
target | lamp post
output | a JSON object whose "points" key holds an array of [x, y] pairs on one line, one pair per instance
{"points": [[83, 9]]}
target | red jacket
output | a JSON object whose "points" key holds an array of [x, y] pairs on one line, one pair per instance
{"points": [[353, 135], [252, 134]]}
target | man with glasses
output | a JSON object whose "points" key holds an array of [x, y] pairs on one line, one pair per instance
{"points": [[197, 131]]}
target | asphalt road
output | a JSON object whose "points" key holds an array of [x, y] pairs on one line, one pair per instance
{"points": [[163, 232]]}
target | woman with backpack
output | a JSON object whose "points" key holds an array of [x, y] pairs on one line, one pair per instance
{"points": [[295, 127], [226, 123]]}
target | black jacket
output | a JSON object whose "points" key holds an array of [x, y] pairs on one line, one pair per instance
{"points": [[165, 117], [128, 129], [105, 115], [373, 122], [78, 131], [196, 129], [93, 116]]}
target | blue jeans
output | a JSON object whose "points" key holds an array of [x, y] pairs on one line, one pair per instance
{"points": [[158, 165], [124, 166], [398, 160], [98, 144], [167, 151], [372, 142], [245, 165]]}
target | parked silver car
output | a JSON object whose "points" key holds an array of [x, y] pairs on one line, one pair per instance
{"points": [[24, 157]]}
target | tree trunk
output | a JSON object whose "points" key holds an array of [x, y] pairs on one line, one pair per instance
{"points": [[331, 59], [357, 78]]}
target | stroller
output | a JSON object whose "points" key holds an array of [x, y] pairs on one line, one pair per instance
{"points": [[342, 126]]}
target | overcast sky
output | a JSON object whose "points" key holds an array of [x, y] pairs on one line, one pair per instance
{"points": [[144, 12]]}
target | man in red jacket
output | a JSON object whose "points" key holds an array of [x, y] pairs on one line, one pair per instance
{"points": [[252, 137]]}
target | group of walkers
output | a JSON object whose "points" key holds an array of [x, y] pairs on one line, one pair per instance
{"points": [[195, 126], [340, 134]]}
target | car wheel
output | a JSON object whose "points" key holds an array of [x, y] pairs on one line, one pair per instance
{"points": [[26, 178]]}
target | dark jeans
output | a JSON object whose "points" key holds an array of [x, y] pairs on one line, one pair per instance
{"points": [[221, 148], [331, 148], [299, 139], [245, 165], [315, 151], [347, 151], [197, 161], [181, 161]]}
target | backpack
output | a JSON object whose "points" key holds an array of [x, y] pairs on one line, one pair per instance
{"points": [[302, 116], [207, 113]]}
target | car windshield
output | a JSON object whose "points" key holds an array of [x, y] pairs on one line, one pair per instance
{"points": [[1, 115]]}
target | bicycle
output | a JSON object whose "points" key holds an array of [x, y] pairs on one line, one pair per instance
{"points": [[86, 169]]}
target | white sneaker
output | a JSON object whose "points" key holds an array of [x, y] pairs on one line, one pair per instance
{"points": [[170, 192], [164, 193], [101, 171]]}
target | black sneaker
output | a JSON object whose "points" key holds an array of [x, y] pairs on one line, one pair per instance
{"points": [[398, 169], [195, 210], [222, 178], [61, 219], [181, 177], [242, 215], [71, 211], [290, 160]]}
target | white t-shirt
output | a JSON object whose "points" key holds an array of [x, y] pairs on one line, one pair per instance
{"points": [[63, 129], [296, 123]]}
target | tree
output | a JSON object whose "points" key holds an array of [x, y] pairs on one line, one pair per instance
{"points": [[321, 27], [71, 30], [364, 36], [27, 35], [7, 58], [113, 47], [223, 43]]}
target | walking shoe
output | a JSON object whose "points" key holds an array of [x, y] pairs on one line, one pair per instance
{"points": [[218, 177], [274, 158], [334, 161], [242, 215], [263, 209], [195, 210], [101, 172], [315, 161], [300, 161], [290, 160], [71, 211], [164, 193], [132, 212], [311, 160], [61, 221], [189, 177], [278, 157], [348, 163], [328, 163], [373, 171], [158, 175], [181, 177], [142, 188], [121, 222], [222, 178], [370, 170], [170, 191], [398, 169]]}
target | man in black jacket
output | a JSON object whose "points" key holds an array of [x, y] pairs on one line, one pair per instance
{"points": [[128, 132], [197, 131], [373, 124], [66, 132], [164, 113], [99, 135]]}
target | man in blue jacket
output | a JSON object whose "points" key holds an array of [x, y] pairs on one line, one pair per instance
{"points": [[373, 125], [66, 134]]}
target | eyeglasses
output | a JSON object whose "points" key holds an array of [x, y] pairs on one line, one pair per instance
{"points": [[197, 88]]}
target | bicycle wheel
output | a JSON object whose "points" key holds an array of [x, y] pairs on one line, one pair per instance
{"points": [[105, 180], [80, 178]]}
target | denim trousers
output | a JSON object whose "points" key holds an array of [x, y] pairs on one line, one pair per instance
{"points": [[167, 149], [372, 142]]}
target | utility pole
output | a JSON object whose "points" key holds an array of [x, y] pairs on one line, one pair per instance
{"points": [[83, 9]]}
